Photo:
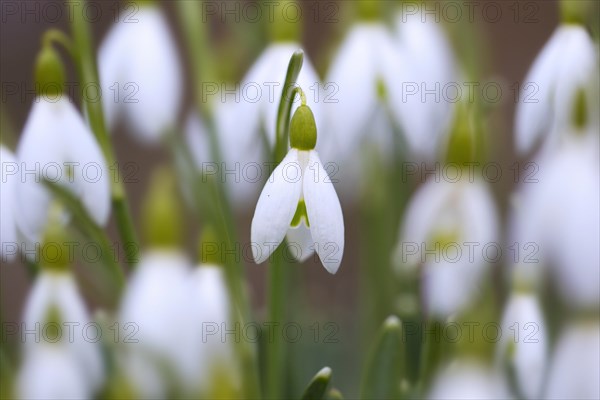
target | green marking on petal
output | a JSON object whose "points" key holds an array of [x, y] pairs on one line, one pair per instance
{"points": [[300, 214]]}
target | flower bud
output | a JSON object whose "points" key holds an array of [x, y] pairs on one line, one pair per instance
{"points": [[303, 129], [162, 213], [49, 72]]}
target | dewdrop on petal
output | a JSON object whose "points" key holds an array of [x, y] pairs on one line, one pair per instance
{"points": [[300, 201]]}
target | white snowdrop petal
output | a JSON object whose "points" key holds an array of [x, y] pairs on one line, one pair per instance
{"points": [[533, 117], [8, 186], [155, 305], [428, 66], [58, 146], [300, 242], [421, 216], [347, 118], [575, 368], [577, 68], [41, 151], [468, 380], [324, 214], [52, 373], [276, 207], [59, 290], [207, 355], [525, 332], [131, 58]]}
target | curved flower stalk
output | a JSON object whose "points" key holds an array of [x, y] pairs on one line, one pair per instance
{"points": [[428, 65], [267, 75], [155, 303], [364, 70], [140, 74], [57, 144], [300, 202], [213, 368], [440, 216], [468, 379], [522, 349], [559, 216], [8, 185], [565, 66], [574, 369]]}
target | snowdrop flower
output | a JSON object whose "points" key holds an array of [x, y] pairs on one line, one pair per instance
{"points": [[140, 74], [575, 364], [364, 70], [155, 303], [263, 86], [58, 145], [51, 373], [428, 66], [522, 349], [8, 227], [567, 64], [55, 299], [211, 359], [559, 215], [468, 380], [299, 201], [444, 215]]}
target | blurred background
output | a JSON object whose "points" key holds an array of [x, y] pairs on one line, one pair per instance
{"points": [[347, 308]]}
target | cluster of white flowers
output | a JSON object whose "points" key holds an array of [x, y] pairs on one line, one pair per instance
{"points": [[170, 300]]}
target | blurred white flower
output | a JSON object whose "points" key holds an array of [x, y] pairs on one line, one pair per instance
{"points": [[427, 71], [457, 220], [155, 301], [58, 145], [52, 373], [8, 185], [522, 349], [211, 354], [468, 380], [365, 69], [575, 365], [566, 65], [55, 296], [559, 215], [140, 74], [261, 91], [242, 166], [299, 200]]}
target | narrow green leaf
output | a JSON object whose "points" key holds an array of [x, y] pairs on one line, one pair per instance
{"points": [[318, 385], [384, 371]]}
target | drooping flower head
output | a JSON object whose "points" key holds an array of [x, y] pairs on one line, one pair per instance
{"points": [[300, 202]]}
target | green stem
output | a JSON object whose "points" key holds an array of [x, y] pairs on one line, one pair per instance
{"points": [[91, 230], [211, 193], [279, 270], [89, 77], [275, 349], [282, 128]]}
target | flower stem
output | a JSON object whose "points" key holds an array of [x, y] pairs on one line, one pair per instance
{"points": [[89, 77], [210, 197], [278, 270]]}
